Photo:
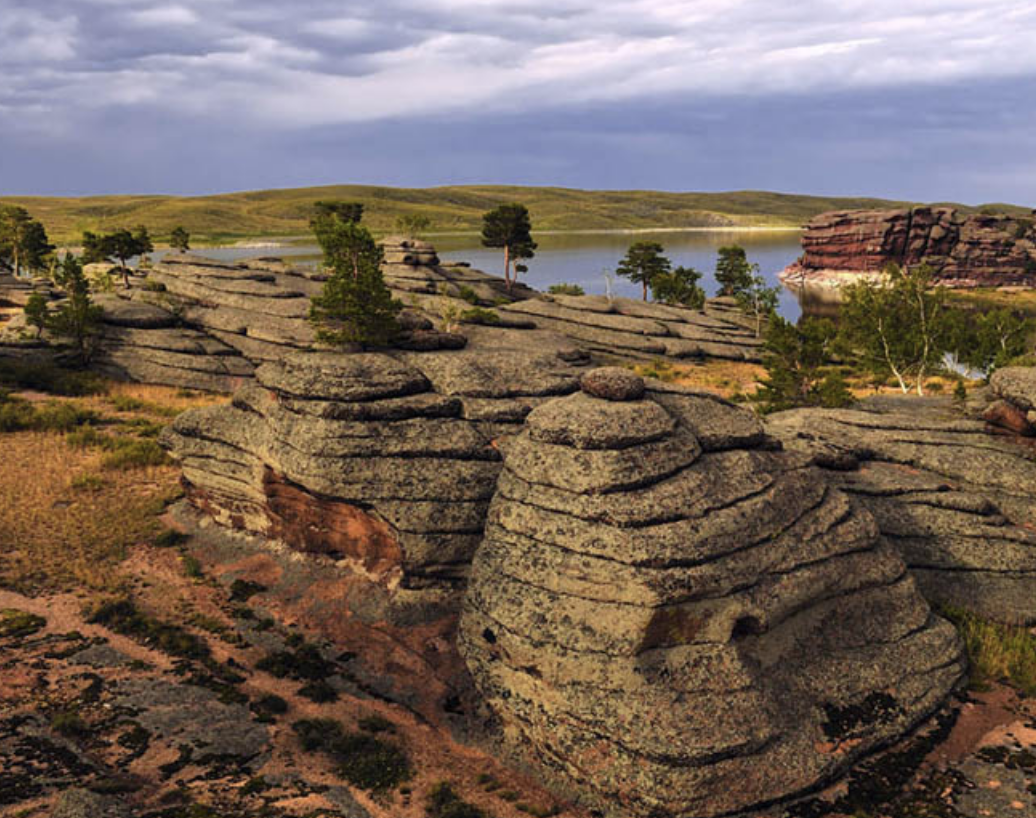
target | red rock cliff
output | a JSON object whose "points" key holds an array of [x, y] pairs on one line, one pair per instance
{"points": [[965, 250]]}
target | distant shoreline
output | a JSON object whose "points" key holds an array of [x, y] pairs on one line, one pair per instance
{"points": [[291, 241]]}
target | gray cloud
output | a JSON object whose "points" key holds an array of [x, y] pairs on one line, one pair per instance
{"points": [[316, 62], [854, 96]]}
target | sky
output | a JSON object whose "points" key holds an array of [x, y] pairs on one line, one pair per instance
{"points": [[915, 99]]}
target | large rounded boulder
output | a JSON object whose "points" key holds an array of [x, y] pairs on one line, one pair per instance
{"points": [[671, 617]]}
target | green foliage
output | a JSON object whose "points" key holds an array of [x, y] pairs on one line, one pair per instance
{"points": [[679, 287], [443, 802], [479, 315], [16, 624], [355, 306], [734, 273], [192, 566], [758, 300], [509, 227], [18, 415], [565, 289], [88, 482], [269, 705], [796, 359], [123, 616], [363, 760], [36, 312], [376, 724], [132, 453], [986, 341], [50, 379], [23, 241], [76, 318], [465, 293], [960, 392], [898, 326], [68, 723], [996, 652], [170, 538], [643, 262], [319, 691], [119, 245], [180, 239], [339, 211], [305, 663], [242, 590], [413, 225]]}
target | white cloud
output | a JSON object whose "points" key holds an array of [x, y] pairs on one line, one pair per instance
{"points": [[351, 61]]}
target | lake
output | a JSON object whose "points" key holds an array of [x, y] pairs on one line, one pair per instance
{"points": [[583, 258]]}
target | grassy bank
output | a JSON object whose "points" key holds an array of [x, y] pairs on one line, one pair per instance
{"points": [[271, 213]]}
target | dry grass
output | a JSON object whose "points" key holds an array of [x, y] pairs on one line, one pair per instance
{"points": [[728, 379], [997, 653], [65, 520]]}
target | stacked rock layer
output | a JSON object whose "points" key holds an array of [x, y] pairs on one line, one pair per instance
{"points": [[360, 458], [675, 619], [964, 250], [957, 502]]}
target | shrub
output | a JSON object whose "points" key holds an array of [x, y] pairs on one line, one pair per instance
{"points": [[478, 315], [242, 590], [376, 724], [305, 664], [192, 567], [131, 453], [88, 482], [443, 802], [68, 723], [565, 289], [50, 379], [268, 706], [465, 293], [17, 415], [318, 691], [123, 616], [362, 760], [19, 623]]}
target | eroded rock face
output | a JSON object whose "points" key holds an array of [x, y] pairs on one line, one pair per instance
{"points": [[957, 502], [675, 619], [964, 250], [384, 464]]}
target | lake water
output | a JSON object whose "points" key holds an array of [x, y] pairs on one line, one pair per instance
{"points": [[584, 258]]}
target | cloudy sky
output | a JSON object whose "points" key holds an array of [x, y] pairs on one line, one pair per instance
{"points": [[918, 99]]}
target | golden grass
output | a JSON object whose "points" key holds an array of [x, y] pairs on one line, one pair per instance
{"points": [[728, 379], [66, 521], [997, 653]]}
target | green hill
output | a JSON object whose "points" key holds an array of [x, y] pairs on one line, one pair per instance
{"points": [[280, 213]]}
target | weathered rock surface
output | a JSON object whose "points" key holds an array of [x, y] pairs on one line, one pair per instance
{"points": [[965, 250], [635, 330], [958, 503], [385, 464], [674, 619]]}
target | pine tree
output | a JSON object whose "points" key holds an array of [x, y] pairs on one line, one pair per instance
{"points": [[355, 306], [77, 318], [510, 228], [796, 360], [734, 273], [643, 263], [180, 239], [679, 287]]}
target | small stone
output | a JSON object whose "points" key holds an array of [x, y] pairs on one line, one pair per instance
{"points": [[613, 383]]}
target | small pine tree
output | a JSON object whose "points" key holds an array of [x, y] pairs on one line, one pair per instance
{"points": [[36, 312], [796, 360], [679, 287], [734, 273], [180, 239], [643, 263], [509, 227], [413, 225], [355, 306], [758, 301], [77, 318]]}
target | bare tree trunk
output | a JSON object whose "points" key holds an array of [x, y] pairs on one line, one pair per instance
{"points": [[644, 284], [507, 266]]}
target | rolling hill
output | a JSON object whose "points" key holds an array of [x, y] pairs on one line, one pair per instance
{"points": [[281, 213]]}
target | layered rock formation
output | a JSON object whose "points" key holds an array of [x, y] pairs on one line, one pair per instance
{"points": [[674, 619], [957, 502], [964, 250], [367, 460]]}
